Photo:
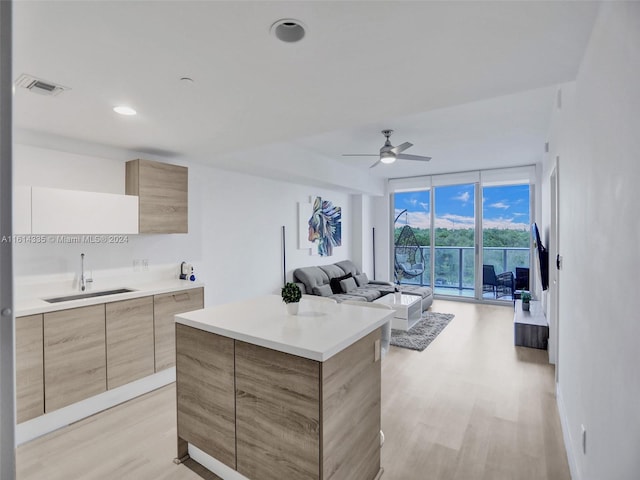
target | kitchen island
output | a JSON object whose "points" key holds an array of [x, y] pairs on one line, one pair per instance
{"points": [[265, 395]]}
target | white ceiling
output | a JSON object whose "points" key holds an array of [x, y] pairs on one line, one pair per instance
{"points": [[468, 83]]}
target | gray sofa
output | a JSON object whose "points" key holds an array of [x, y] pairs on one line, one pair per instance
{"points": [[317, 280]]}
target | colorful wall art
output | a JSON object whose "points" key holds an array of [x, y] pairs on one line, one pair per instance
{"points": [[322, 228], [325, 226]]}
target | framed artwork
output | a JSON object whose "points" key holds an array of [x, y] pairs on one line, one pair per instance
{"points": [[320, 226]]}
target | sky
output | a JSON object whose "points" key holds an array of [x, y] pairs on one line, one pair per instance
{"points": [[503, 207]]}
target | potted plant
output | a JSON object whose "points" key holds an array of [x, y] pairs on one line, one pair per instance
{"points": [[526, 299], [291, 296]]}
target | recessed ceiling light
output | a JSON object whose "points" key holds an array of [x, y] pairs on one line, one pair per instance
{"points": [[288, 30], [123, 110]]}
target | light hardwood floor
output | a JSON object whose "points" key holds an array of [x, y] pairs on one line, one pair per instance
{"points": [[470, 407]]}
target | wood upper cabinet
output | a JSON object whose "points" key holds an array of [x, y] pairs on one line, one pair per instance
{"points": [[29, 368], [166, 306], [129, 330], [163, 191], [74, 355]]}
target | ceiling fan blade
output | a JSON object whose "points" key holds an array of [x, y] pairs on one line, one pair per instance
{"points": [[375, 164], [404, 156], [401, 148], [360, 154]]}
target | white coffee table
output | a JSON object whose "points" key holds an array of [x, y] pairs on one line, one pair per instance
{"points": [[408, 309]]}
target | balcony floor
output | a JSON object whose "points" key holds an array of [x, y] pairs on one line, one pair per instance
{"points": [[465, 293]]}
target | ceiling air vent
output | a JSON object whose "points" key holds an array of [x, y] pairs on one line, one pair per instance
{"points": [[37, 85]]}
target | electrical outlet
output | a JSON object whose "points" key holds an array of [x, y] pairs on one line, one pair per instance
{"points": [[584, 439], [136, 265], [145, 264]]}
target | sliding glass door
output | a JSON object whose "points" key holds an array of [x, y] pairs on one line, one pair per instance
{"points": [[505, 240]]}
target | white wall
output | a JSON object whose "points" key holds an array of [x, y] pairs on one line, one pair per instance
{"points": [[235, 221], [599, 383], [381, 220]]}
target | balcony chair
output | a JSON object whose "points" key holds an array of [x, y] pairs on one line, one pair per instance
{"points": [[500, 285], [409, 259], [522, 278]]}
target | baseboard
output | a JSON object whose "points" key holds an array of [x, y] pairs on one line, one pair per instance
{"points": [[64, 416], [566, 435], [214, 465]]}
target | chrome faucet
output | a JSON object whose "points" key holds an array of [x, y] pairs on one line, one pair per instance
{"points": [[83, 278]]}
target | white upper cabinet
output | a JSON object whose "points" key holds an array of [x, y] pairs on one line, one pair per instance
{"points": [[57, 211]]}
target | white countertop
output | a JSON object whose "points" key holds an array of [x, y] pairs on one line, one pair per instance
{"points": [[320, 330], [27, 305]]}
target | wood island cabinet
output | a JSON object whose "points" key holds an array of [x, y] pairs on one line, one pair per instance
{"points": [[277, 397], [29, 368], [166, 306], [129, 331], [272, 415], [74, 355], [205, 392], [163, 192]]}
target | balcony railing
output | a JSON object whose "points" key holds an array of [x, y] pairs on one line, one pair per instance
{"points": [[454, 266]]}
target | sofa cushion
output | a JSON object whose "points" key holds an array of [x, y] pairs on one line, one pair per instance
{"points": [[311, 277], [370, 294], [332, 271], [341, 297], [348, 284], [335, 283], [323, 290], [383, 289], [362, 279], [348, 267]]}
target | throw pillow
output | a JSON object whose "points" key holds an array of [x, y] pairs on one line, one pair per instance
{"points": [[348, 284], [362, 279], [323, 290], [335, 283]]}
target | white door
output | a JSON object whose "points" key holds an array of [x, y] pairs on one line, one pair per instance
{"points": [[554, 285], [7, 409]]}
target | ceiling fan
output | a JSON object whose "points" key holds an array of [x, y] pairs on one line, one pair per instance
{"points": [[389, 153]]}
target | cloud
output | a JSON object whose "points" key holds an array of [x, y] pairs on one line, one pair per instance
{"points": [[463, 197], [456, 222], [501, 204], [466, 222], [425, 206], [412, 201]]}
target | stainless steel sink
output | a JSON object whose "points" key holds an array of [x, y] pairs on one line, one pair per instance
{"points": [[80, 296]]}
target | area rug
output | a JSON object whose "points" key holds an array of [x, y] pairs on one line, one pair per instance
{"points": [[422, 333]]}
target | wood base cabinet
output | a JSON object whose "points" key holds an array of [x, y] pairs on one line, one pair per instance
{"points": [[129, 330], [166, 306], [29, 368], [294, 417], [75, 364]]}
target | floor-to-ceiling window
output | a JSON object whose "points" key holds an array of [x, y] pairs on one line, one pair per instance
{"points": [[412, 237], [454, 233], [464, 234]]}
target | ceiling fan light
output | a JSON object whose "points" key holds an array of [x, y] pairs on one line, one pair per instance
{"points": [[387, 157]]}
